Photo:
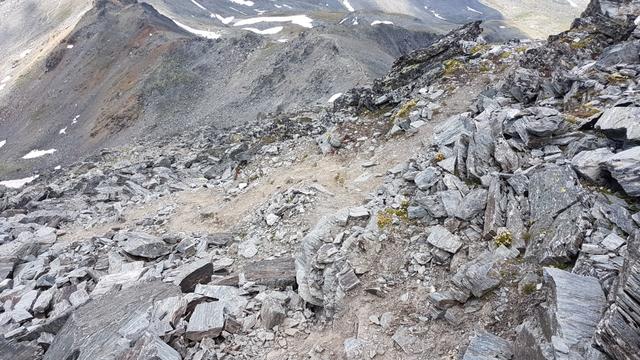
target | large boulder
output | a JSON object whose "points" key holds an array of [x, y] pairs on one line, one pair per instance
{"points": [[621, 123], [101, 329], [625, 168], [619, 331], [590, 164], [576, 305], [486, 346]]}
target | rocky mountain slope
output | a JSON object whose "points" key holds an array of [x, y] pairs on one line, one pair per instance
{"points": [[82, 76], [477, 202]]}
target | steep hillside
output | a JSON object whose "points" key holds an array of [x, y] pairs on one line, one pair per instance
{"points": [[126, 71], [478, 202]]}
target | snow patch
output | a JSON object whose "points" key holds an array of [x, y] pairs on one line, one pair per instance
{"points": [[301, 20], [57, 167], [473, 10], [335, 97], [269, 31], [38, 153], [18, 183], [224, 20], [2, 143], [242, 2], [437, 15], [347, 5], [70, 46], [199, 5], [380, 22], [283, 40], [62, 131], [202, 33], [75, 119], [572, 3]]}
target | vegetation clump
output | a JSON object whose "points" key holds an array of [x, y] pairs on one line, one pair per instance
{"points": [[406, 109], [504, 238], [529, 288], [385, 218], [452, 66], [439, 157]]}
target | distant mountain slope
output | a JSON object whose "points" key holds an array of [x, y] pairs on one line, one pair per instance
{"points": [[127, 71]]}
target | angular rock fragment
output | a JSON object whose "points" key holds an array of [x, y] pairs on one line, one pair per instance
{"points": [[577, 304], [482, 274], [618, 332], [145, 245], [486, 346], [472, 204], [625, 168], [230, 297], [207, 320], [427, 178], [590, 164], [124, 279], [621, 123], [441, 238], [191, 274], [272, 313], [10, 349], [91, 332], [150, 346]]}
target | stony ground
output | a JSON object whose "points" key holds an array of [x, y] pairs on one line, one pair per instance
{"points": [[478, 202]]}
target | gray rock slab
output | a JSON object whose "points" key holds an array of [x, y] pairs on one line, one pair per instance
{"points": [[621, 122], [486, 346], [576, 306], [207, 320], [145, 245], [625, 168], [441, 238], [91, 332]]}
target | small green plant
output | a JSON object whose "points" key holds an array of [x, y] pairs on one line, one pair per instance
{"points": [[340, 179], [526, 237], [505, 55], [479, 49], [438, 157], [560, 265], [504, 238], [452, 66], [529, 288], [406, 109], [383, 220]]}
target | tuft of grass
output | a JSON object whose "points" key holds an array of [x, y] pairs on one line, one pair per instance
{"points": [[584, 111], [617, 78], [340, 179], [479, 49], [383, 220], [439, 157], [406, 109], [503, 238], [581, 44], [529, 288], [505, 55], [452, 66]]}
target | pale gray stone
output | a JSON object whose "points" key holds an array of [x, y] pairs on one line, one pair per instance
{"points": [[441, 238]]}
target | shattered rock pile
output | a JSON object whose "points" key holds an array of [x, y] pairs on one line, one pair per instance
{"points": [[513, 233]]}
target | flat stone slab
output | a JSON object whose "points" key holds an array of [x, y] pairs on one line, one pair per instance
{"points": [[207, 320], [577, 304], [92, 330], [443, 239]]}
